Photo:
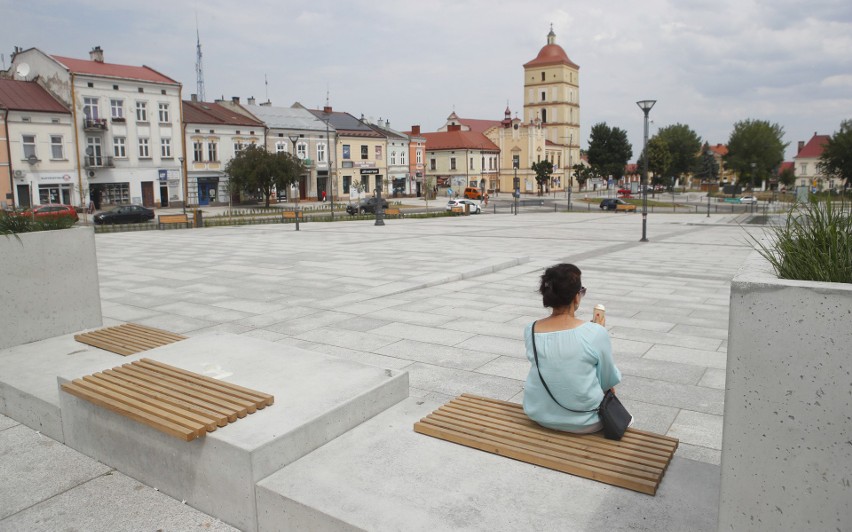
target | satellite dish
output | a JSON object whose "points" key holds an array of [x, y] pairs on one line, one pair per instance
{"points": [[32, 159], [23, 70]]}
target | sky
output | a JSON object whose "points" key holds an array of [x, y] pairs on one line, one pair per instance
{"points": [[708, 64]]}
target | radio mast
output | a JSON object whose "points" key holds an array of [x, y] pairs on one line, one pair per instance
{"points": [[199, 69]]}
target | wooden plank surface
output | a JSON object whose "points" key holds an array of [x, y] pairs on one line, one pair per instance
{"points": [[128, 338], [175, 401], [638, 461]]}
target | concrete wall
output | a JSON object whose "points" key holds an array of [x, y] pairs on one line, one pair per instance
{"points": [[48, 285], [786, 448]]}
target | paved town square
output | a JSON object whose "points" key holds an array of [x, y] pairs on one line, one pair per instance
{"points": [[445, 299]]}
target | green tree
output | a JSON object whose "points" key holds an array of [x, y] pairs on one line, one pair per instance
{"points": [[609, 150], [755, 150], [543, 170], [684, 145], [582, 173], [787, 177], [707, 168], [836, 158], [254, 169]]}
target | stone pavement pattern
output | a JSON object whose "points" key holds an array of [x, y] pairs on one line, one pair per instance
{"points": [[445, 299]]}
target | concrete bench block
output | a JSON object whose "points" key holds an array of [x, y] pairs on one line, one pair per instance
{"points": [[317, 398], [384, 476]]}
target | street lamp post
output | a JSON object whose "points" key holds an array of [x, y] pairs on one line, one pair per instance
{"points": [[380, 212], [646, 106], [328, 158], [294, 139], [517, 192], [183, 178]]}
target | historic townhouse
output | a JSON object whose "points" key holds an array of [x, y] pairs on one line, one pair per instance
{"points": [[417, 159], [360, 153], [37, 162], [214, 134], [520, 146], [489, 163], [400, 180], [289, 128], [806, 164], [127, 125], [457, 158]]}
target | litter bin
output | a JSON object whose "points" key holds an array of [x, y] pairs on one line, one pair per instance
{"points": [[467, 209], [197, 218]]}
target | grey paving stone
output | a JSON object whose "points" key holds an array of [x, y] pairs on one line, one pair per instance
{"points": [[698, 428], [398, 314], [437, 354], [496, 345], [455, 382], [713, 378], [664, 338], [361, 323], [111, 503], [127, 313], [712, 359], [699, 454], [649, 416], [7, 422], [33, 460], [175, 324], [720, 333], [278, 316], [628, 348], [423, 334], [657, 369], [360, 341], [366, 357], [672, 394], [297, 326]]}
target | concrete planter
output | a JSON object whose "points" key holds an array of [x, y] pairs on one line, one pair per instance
{"points": [[49, 285], [787, 440]]}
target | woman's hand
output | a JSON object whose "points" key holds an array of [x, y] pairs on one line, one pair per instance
{"points": [[600, 320]]}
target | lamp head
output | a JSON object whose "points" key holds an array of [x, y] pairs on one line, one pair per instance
{"points": [[294, 138], [646, 105]]}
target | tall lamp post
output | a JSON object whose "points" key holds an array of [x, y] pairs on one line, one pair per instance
{"points": [[183, 179], [646, 106], [294, 139]]}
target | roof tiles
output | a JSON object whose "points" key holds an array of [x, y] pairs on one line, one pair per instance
{"points": [[28, 96], [470, 140], [213, 113], [112, 70], [814, 148]]}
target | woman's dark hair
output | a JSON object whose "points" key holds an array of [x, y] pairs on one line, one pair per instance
{"points": [[560, 285]]}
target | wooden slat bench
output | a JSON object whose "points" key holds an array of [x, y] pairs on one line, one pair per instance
{"points": [[291, 215], [637, 462], [457, 210], [393, 211], [173, 219], [128, 338], [180, 403]]}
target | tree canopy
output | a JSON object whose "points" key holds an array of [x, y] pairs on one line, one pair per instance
{"points": [[582, 173], [755, 150], [683, 145], [707, 168], [609, 150], [543, 170], [836, 158], [254, 169]]}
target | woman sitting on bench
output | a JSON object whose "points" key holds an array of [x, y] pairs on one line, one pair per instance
{"points": [[574, 356]]}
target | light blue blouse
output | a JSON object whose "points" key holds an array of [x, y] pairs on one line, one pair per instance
{"points": [[577, 366]]}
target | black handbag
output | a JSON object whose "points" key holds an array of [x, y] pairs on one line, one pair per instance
{"points": [[614, 417]]}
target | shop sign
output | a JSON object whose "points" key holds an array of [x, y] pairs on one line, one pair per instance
{"points": [[368, 171]]}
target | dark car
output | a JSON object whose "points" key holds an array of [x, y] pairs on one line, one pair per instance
{"points": [[125, 214], [617, 205], [366, 206]]}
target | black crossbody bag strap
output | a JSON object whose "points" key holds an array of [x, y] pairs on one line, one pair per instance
{"points": [[535, 355]]}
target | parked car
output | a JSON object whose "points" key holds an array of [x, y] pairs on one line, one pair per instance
{"points": [[472, 193], [617, 205], [50, 211], [475, 208], [125, 214], [625, 192], [366, 206], [748, 199]]}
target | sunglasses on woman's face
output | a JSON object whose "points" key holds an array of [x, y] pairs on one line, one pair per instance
{"points": [[582, 291]]}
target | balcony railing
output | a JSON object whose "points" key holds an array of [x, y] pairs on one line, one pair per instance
{"points": [[94, 161], [95, 124]]}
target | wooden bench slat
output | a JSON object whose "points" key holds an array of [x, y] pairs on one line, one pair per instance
{"points": [[123, 339], [106, 402], [128, 338], [261, 400], [638, 461]]}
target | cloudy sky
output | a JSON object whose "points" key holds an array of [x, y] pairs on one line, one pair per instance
{"points": [[707, 63]]}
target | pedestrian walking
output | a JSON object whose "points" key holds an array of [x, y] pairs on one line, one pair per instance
{"points": [[323, 196]]}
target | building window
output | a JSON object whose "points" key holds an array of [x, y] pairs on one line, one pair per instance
{"points": [[56, 151], [378, 153], [543, 96], [452, 163], [166, 148], [432, 164], [118, 147], [804, 168], [197, 152], [542, 76], [516, 161], [301, 150], [141, 111], [402, 157], [281, 147], [544, 116], [393, 157], [419, 156], [365, 152], [144, 153], [212, 151], [29, 146], [238, 147], [116, 108], [347, 183], [321, 152], [483, 162], [90, 108], [93, 151], [346, 152], [164, 113]]}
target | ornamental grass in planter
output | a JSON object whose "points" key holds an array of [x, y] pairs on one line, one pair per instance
{"points": [[813, 244], [13, 223]]}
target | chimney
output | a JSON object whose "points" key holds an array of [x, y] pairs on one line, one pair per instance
{"points": [[415, 130], [801, 145], [267, 103], [387, 124], [235, 99], [252, 101], [326, 109], [193, 98], [454, 127], [97, 54]]}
